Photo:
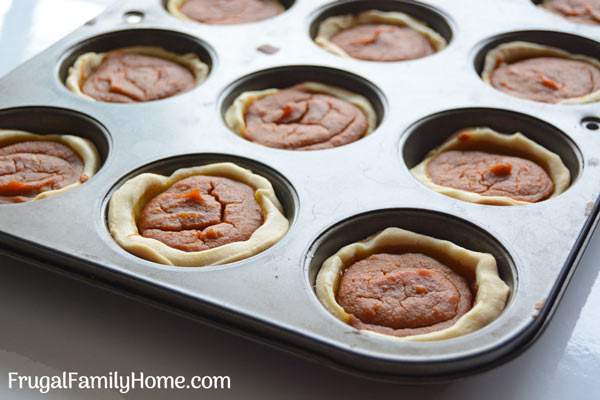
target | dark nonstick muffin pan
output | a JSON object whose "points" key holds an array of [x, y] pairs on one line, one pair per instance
{"points": [[331, 197]]}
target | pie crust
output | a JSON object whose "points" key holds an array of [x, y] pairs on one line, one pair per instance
{"points": [[516, 144], [517, 51], [490, 296], [87, 63], [84, 148], [128, 201], [235, 116], [333, 25]]}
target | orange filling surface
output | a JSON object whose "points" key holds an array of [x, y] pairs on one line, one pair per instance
{"points": [[546, 79], [583, 11], [32, 167], [383, 42], [490, 174], [298, 119], [200, 213], [230, 11], [403, 294], [127, 78]]}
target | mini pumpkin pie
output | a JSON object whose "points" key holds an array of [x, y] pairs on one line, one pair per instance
{"points": [[307, 116], [135, 74], [378, 36], [225, 12], [483, 166], [582, 11], [541, 73], [34, 167], [213, 214], [409, 286]]}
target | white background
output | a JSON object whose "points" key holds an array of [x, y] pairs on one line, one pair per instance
{"points": [[50, 323]]}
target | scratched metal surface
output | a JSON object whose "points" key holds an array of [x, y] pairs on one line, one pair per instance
{"points": [[333, 196]]}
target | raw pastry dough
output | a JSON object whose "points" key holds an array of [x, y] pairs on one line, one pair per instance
{"points": [[128, 201], [486, 139], [84, 148], [87, 63], [517, 51], [490, 297], [333, 25]]}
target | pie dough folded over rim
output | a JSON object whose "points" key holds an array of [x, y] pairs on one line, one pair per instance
{"points": [[235, 116], [486, 139], [490, 298], [512, 52], [87, 63], [128, 201], [174, 8], [333, 25], [84, 148]]}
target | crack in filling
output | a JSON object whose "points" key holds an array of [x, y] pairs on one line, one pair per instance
{"points": [[32, 167], [383, 42], [231, 11], [200, 213], [583, 11], [403, 294], [490, 174], [127, 78], [300, 120], [546, 79]]}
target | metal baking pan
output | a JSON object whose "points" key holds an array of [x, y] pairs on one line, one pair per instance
{"points": [[332, 197]]}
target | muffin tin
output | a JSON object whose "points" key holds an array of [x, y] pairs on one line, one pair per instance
{"points": [[332, 197]]}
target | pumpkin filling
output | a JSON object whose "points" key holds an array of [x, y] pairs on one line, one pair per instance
{"points": [[30, 168], [403, 294], [200, 213]]}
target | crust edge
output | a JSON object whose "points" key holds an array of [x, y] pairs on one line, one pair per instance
{"points": [[490, 299], [333, 25], [127, 202], [516, 144], [520, 50], [87, 63], [235, 114], [84, 148]]}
